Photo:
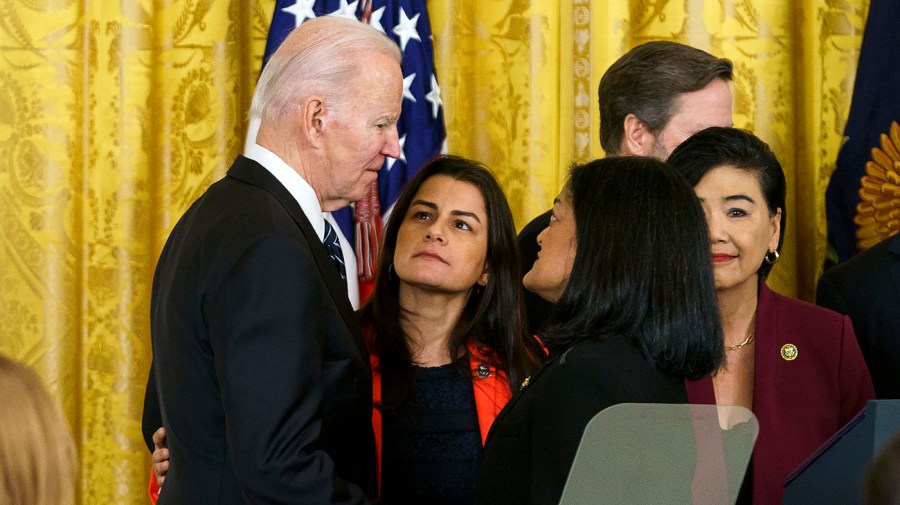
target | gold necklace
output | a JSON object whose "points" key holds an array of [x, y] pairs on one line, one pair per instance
{"points": [[746, 341]]}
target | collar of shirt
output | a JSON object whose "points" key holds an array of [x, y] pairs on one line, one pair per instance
{"points": [[309, 203], [295, 184]]}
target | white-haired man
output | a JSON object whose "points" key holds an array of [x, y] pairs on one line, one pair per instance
{"points": [[263, 380]]}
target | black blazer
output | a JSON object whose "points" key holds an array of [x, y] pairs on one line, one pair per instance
{"points": [[867, 288], [531, 446], [264, 382]]}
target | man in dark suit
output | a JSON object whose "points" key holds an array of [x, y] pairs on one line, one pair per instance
{"points": [[651, 99], [867, 288], [263, 380]]}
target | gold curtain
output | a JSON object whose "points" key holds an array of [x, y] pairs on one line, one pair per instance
{"points": [[520, 78], [114, 116]]}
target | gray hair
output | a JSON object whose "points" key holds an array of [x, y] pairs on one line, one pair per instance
{"points": [[318, 57]]}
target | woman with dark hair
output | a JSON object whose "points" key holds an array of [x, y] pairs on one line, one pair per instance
{"points": [[626, 260], [797, 366], [445, 330]]}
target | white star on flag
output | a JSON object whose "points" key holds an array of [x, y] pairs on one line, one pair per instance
{"points": [[375, 19], [434, 96], [302, 10], [347, 11], [391, 161], [407, 82], [406, 29]]}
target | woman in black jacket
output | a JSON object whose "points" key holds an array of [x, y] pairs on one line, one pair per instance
{"points": [[627, 262]]}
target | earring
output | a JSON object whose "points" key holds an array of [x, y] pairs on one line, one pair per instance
{"points": [[773, 259]]}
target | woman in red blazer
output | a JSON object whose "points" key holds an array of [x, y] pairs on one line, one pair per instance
{"points": [[797, 366], [445, 330]]}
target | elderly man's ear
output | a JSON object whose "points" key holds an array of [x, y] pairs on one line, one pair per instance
{"points": [[313, 113]]}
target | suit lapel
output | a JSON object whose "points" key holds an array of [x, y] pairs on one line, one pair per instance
{"points": [[767, 354], [767, 375], [521, 392], [251, 172]]}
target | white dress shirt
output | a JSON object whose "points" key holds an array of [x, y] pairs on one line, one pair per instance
{"points": [[309, 203]]}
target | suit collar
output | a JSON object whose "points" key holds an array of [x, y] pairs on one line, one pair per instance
{"points": [[767, 353], [516, 395], [296, 185], [251, 172]]}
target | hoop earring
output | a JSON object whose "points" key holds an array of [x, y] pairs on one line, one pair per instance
{"points": [[772, 261], [391, 271]]}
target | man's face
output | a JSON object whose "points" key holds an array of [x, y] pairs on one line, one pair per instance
{"points": [[358, 139], [694, 111]]}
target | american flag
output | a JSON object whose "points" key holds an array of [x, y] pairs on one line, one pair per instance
{"points": [[421, 125]]}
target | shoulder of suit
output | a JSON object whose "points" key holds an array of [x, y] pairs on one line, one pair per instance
{"points": [[868, 265], [796, 310]]}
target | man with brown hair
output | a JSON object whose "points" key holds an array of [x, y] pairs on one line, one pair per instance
{"points": [[651, 99]]}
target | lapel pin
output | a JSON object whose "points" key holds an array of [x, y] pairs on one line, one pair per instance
{"points": [[525, 382], [789, 352]]}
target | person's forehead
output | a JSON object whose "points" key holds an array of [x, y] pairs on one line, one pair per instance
{"points": [[706, 107], [378, 82], [728, 179]]}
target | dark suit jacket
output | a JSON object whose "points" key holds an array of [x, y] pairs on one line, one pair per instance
{"points": [[801, 403], [264, 381], [532, 443], [537, 310], [867, 288]]}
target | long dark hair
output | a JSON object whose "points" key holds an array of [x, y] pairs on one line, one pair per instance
{"points": [[717, 146], [493, 316], [642, 266]]}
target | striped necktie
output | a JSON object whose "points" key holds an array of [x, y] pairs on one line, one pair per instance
{"points": [[333, 245]]}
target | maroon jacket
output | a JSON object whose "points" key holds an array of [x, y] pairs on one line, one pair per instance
{"points": [[799, 403]]}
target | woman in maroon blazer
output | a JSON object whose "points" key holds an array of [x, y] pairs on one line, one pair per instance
{"points": [[797, 366]]}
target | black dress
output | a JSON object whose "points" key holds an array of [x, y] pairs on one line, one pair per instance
{"points": [[533, 441], [432, 442]]}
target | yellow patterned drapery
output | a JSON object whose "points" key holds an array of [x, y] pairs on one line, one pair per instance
{"points": [[114, 116]]}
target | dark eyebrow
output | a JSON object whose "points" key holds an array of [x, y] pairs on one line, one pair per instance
{"points": [[430, 205], [464, 213], [433, 206], [731, 198]]}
